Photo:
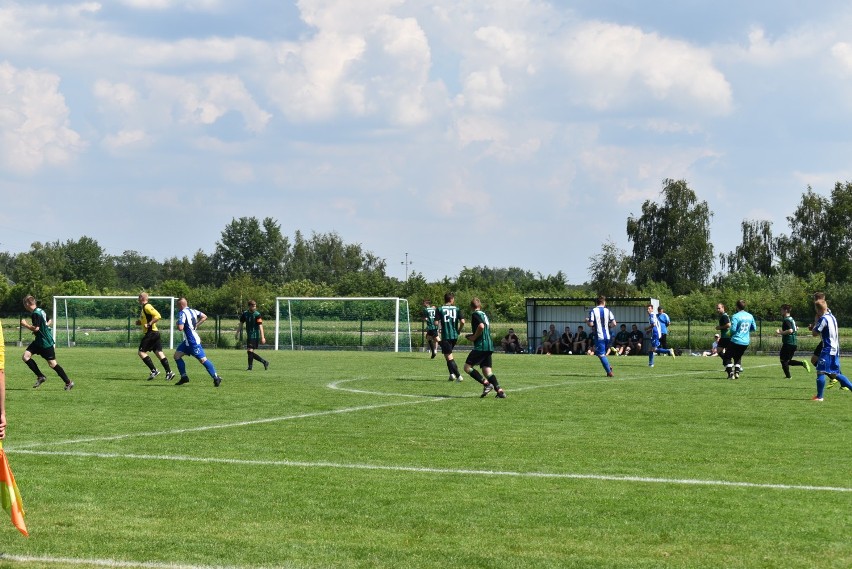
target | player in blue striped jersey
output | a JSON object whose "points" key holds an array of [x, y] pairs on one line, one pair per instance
{"points": [[602, 320], [829, 359], [188, 321], [654, 329]]}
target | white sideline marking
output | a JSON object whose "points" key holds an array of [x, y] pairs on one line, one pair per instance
{"points": [[453, 471], [111, 562]]}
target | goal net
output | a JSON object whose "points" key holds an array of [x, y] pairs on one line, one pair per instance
{"points": [[340, 323], [108, 320]]}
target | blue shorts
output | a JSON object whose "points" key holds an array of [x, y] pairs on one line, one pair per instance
{"points": [[601, 347], [196, 351], [828, 364]]}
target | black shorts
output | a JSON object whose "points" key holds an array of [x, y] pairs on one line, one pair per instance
{"points": [[478, 358], [252, 344], [818, 350], [787, 352], [151, 342], [447, 346], [46, 353], [432, 333]]}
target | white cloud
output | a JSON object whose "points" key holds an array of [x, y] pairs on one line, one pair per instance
{"points": [[613, 65], [125, 138], [34, 125], [842, 52]]}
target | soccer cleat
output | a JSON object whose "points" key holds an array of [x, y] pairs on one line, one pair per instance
{"points": [[459, 379], [265, 365], [609, 374], [832, 383], [154, 373], [433, 355], [486, 390], [650, 365], [183, 379], [815, 398], [807, 365], [501, 394], [248, 369], [69, 386], [730, 375], [672, 352], [217, 380], [736, 375], [170, 376], [452, 377], [844, 388], [39, 380]]}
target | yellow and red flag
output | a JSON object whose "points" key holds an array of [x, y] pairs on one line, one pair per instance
{"points": [[10, 496]]}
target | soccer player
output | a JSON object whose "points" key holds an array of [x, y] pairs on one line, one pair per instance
{"points": [[451, 322], [432, 337], [254, 334], [42, 345], [189, 319], [654, 328], [151, 341], [665, 322], [725, 331], [789, 341], [742, 325], [483, 348], [829, 360], [601, 320]]}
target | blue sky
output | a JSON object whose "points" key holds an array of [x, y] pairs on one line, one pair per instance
{"points": [[500, 133]]}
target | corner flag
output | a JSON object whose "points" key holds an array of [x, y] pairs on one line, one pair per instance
{"points": [[10, 496]]}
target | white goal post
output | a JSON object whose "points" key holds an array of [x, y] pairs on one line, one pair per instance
{"points": [[342, 323], [107, 320]]}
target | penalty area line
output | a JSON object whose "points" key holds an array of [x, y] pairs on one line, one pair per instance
{"points": [[447, 471]]}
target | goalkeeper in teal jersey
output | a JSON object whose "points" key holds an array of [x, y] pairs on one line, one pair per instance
{"points": [[450, 320], [483, 348], [428, 313]]}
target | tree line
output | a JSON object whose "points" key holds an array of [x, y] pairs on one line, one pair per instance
{"points": [[672, 258]]}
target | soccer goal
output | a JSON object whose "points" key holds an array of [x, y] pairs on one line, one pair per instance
{"points": [[341, 323], [108, 320]]}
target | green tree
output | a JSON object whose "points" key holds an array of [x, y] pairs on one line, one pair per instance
{"points": [[756, 251], [671, 240], [249, 246], [806, 249], [609, 271], [136, 271]]}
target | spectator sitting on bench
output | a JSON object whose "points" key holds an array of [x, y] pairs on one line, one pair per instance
{"points": [[510, 343]]}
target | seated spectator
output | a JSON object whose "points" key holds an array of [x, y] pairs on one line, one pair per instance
{"points": [[510, 343], [580, 341], [566, 341], [634, 342], [622, 340], [553, 339], [544, 345], [714, 349]]}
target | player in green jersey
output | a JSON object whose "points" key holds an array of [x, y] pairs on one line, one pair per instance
{"points": [[432, 337], [789, 342], [254, 334], [42, 345], [450, 320], [483, 348]]}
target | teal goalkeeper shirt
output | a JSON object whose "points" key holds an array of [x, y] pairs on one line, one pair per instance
{"points": [[742, 325]]}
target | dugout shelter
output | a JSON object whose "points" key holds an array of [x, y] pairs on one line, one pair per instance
{"points": [[573, 312]]}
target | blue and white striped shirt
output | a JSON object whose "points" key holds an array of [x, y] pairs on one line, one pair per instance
{"points": [[600, 318], [827, 327]]}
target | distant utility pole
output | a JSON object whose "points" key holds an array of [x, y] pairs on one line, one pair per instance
{"points": [[407, 263]]}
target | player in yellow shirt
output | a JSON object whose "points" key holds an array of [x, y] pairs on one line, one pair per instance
{"points": [[151, 341]]}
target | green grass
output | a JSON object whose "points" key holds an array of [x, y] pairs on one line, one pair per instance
{"points": [[349, 459]]}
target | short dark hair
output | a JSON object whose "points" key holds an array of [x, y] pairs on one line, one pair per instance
{"points": [[449, 296], [786, 307], [741, 304]]}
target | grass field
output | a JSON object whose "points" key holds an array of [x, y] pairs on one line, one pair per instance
{"points": [[344, 459]]}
